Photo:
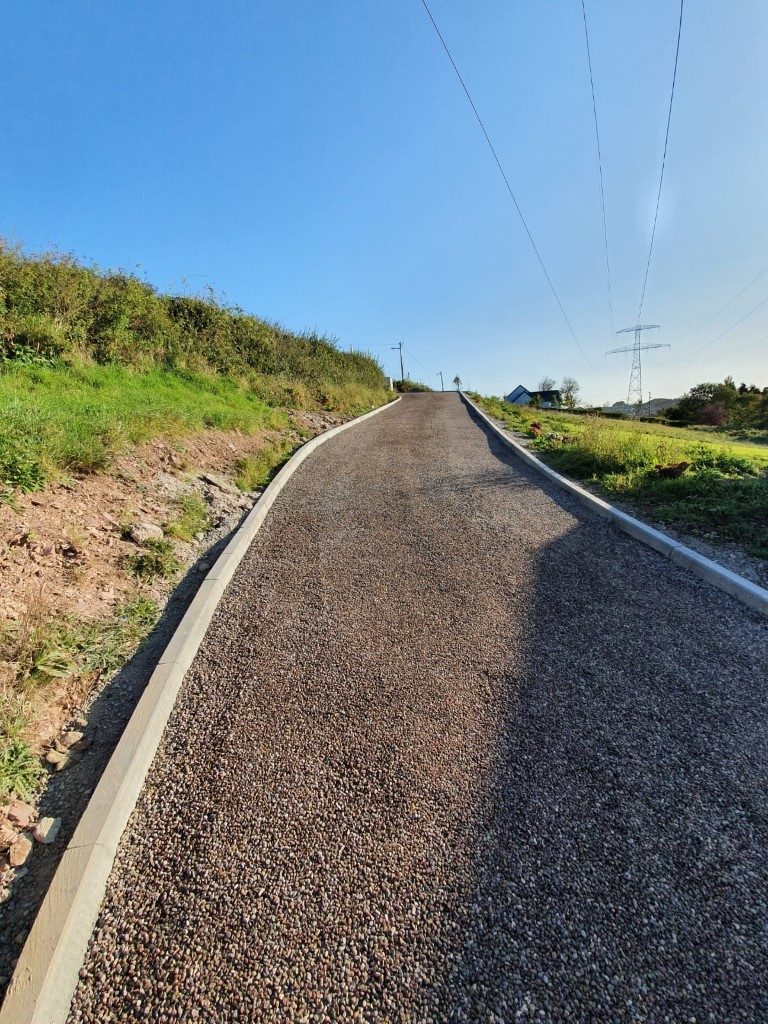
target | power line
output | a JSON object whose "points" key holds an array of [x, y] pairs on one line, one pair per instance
{"points": [[599, 166], [726, 331], [429, 373], [663, 163], [760, 341], [728, 304], [506, 180]]}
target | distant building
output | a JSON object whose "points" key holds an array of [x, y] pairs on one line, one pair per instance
{"points": [[546, 399]]}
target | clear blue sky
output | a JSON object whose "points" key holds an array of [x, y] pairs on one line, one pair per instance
{"points": [[318, 163]]}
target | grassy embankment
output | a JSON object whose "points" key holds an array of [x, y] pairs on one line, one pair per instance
{"points": [[92, 364], [721, 496]]}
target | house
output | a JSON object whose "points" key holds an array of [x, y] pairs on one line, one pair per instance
{"points": [[544, 399]]}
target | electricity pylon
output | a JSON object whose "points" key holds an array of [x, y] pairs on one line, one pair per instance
{"points": [[635, 391]]}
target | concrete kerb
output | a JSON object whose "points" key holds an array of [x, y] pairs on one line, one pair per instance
{"points": [[737, 586], [46, 974]]}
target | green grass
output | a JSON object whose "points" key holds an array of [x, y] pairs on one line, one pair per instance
{"points": [[257, 470], [193, 517], [21, 773], [722, 496], [77, 419], [92, 363]]}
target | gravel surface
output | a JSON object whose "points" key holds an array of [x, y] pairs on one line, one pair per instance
{"points": [[438, 761]]}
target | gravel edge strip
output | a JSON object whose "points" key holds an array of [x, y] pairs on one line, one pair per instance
{"points": [[737, 586], [44, 981]]}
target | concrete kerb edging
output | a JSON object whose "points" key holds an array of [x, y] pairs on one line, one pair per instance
{"points": [[46, 975], [737, 586]]}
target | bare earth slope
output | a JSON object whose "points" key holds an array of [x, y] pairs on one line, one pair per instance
{"points": [[453, 750]]}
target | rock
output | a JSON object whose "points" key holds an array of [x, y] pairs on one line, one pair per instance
{"points": [[142, 532], [7, 836], [20, 850], [47, 829], [61, 759], [71, 737], [220, 482], [19, 813], [21, 937]]}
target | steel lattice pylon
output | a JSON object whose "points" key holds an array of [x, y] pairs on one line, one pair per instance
{"points": [[635, 390]]}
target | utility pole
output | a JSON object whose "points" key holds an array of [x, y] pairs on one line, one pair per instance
{"points": [[442, 386], [635, 392], [399, 347]]}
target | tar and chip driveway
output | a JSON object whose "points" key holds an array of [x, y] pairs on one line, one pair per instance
{"points": [[452, 750]]}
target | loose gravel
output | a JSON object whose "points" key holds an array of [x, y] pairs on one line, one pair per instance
{"points": [[452, 750]]}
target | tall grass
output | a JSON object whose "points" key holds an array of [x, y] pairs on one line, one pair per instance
{"points": [[51, 306]]}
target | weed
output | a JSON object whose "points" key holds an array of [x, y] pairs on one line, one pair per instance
{"points": [[158, 559], [21, 773], [257, 470], [193, 517], [722, 495]]}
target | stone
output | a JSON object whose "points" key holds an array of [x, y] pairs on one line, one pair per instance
{"points": [[7, 836], [220, 482], [71, 737], [20, 850], [142, 532], [61, 759], [46, 830], [19, 813]]}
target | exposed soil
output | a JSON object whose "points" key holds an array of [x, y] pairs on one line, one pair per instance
{"points": [[454, 749]]}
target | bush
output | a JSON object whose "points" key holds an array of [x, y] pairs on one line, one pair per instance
{"points": [[53, 306], [405, 386]]}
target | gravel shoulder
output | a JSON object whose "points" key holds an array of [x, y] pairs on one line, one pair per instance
{"points": [[453, 750]]}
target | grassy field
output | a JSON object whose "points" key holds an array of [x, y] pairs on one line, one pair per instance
{"points": [[721, 496]]}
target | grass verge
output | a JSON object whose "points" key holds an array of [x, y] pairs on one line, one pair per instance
{"points": [[721, 495]]}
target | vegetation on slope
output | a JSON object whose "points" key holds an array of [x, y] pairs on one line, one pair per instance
{"points": [[722, 493], [90, 362]]}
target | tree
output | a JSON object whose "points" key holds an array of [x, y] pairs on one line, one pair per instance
{"points": [[546, 384], [569, 390], [457, 382]]}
